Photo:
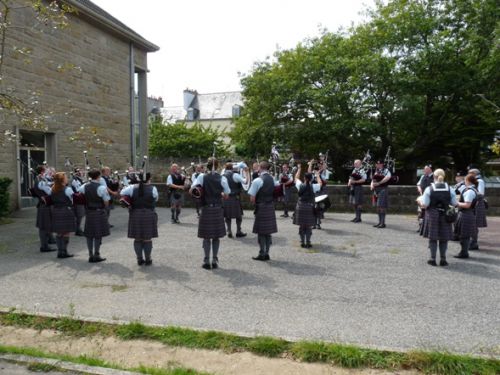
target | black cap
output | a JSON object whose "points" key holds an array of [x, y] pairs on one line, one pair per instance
{"points": [[428, 165], [380, 161]]}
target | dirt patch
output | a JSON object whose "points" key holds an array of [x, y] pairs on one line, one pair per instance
{"points": [[132, 353]]}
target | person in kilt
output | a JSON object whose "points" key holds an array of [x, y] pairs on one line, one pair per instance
{"points": [[41, 189], [197, 201], [261, 194], [142, 220], [466, 221], [211, 226], [113, 191], [287, 181], [76, 183], [232, 205], [63, 214], [321, 176], [379, 186], [458, 188], [355, 184], [436, 199], [175, 184], [425, 180], [96, 223], [304, 215], [480, 209]]}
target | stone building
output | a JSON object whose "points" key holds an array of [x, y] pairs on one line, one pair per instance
{"points": [[87, 76]]}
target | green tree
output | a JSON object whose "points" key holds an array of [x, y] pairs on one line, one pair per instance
{"points": [[181, 140]]}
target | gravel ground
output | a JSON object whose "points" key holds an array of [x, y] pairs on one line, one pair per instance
{"points": [[358, 284]]}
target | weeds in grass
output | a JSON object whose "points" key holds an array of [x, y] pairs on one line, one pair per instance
{"points": [[41, 367]]}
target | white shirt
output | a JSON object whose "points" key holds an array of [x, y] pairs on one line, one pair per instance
{"points": [[480, 186], [469, 195], [44, 186], [426, 197], [316, 187], [169, 179], [223, 182], [257, 184], [102, 190], [129, 190]]}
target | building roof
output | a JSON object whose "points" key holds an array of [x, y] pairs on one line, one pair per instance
{"points": [[91, 10], [212, 106]]}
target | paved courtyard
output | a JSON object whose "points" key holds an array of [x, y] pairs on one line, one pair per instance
{"points": [[358, 284]]}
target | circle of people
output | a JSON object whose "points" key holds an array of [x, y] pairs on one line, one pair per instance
{"points": [[62, 205]]}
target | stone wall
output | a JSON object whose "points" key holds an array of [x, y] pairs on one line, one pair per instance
{"points": [[401, 199], [82, 75]]}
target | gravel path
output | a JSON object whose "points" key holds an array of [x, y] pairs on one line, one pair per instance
{"points": [[358, 284]]}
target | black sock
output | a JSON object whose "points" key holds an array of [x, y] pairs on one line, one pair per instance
{"points": [[90, 246], [148, 249], [138, 249]]}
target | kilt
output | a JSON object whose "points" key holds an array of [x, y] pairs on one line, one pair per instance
{"points": [[44, 218], [79, 210], [436, 227], [466, 224], [357, 197], [382, 197], [177, 201], [265, 219], [232, 207], [142, 224], [211, 223], [63, 219], [96, 223], [287, 194], [304, 214], [481, 212]]}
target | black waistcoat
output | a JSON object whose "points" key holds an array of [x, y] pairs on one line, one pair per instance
{"points": [[306, 193], [234, 186], [93, 200], [60, 199], [265, 193], [212, 189], [440, 195], [146, 200]]}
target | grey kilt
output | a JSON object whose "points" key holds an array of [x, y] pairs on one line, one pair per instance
{"points": [[63, 219], [44, 218], [79, 210], [382, 197], [142, 224], [96, 223], [424, 229], [177, 201], [436, 226], [211, 223], [481, 212], [466, 223], [357, 197], [265, 219], [232, 207], [304, 214]]}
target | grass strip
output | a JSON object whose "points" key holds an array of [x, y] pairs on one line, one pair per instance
{"points": [[89, 361], [347, 356]]}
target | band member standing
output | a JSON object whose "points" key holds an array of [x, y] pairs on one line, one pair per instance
{"points": [[355, 184], [113, 189], [255, 171], [480, 209], [76, 183], [232, 205], [304, 215], [143, 220], [425, 181], [261, 194], [379, 186], [196, 174], [321, 175], [175, 184], [458, 188], [286, 180], [63, 215], [43, 217], [466, 221], [436, 198], [130, 177], [96, 223], [211, 226]]}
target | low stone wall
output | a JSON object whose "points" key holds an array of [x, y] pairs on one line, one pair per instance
{"points": [[401, 199]]}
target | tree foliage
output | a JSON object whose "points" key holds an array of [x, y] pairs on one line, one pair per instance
{"points": [[181, 140], [418, 76]]}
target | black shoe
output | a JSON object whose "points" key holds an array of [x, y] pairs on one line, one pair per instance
{"points": [[177, 221], [206, 266], [474, 247], [443, 263], [148, 262], [215, 265], [381, 226], [51, 241], [354, 220], [302, 245], [260, 257], [432, 262], [313, 227], [47, 250], [318, 226], [461, 256], [284, 215], [376, 225], [308, 245], [229, 235], [358, 221], [79, 233], [97, 259], [173, 221], [64, 255], [240, 234], [267, 257], [140, 262]]}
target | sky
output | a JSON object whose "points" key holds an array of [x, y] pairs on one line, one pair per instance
{"points": [[205, 43]]}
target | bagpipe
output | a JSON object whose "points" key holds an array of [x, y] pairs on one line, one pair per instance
{"points": [[125, 200]]}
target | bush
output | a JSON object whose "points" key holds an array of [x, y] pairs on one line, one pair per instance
{"points": [[4, 195]]}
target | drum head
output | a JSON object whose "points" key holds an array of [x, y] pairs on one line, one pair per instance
{"points": [[320, 198]]}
